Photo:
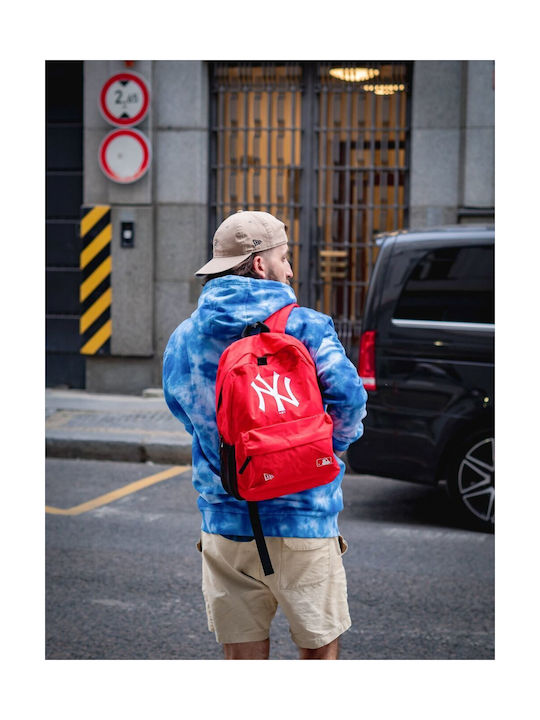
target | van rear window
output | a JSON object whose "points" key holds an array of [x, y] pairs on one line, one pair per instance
{"points": [[452, 284]]}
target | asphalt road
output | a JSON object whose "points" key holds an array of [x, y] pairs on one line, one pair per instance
{"points": [[123, 575]]}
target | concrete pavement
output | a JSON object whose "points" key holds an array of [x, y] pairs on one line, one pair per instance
{"points": [[114, 427]]}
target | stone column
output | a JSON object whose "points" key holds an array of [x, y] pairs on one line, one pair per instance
{"points": [[153, 288], [181, 197], [435, 142], [478, 187]]}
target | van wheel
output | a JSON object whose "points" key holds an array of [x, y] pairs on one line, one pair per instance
{"points": [[471, 480]]}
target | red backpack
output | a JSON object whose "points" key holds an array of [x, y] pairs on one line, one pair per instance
{"points": [[275, 436]]}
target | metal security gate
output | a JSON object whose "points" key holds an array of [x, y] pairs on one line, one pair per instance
{"points": [[256, 139], [324, 147]]}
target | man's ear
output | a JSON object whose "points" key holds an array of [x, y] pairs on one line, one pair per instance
{"points": [[259, 266]]}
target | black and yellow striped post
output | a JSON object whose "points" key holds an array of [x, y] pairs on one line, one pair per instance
{"points": [[95, 326]]}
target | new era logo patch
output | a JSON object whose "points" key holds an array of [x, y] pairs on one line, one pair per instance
{"points": [[268, 477], [321, 462]]}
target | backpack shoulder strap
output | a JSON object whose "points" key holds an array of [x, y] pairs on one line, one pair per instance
{"points": [[277, 322]]}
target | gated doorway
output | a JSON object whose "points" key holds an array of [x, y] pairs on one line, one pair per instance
{"points": [[324, 147]]}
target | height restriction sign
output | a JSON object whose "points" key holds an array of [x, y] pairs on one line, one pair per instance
{"points": [[124, 99]]}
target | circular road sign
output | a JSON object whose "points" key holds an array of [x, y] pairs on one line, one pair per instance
{"points": [[124, 99], [125, 155]]}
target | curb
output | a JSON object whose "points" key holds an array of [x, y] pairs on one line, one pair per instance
{"points": [[121, 451]]}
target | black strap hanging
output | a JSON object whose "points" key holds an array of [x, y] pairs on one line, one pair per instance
{"points": [[259, 538]]}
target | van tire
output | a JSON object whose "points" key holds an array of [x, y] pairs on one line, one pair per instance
{"points": [[470, 479]]}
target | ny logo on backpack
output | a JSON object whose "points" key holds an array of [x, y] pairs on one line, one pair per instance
{"points": [[273, 392]]}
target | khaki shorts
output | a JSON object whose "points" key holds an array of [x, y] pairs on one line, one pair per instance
{"points": [[308, 583]]}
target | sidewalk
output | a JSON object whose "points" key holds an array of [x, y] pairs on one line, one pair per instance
{"points": [[114, 427]]}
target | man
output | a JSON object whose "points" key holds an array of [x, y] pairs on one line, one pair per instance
{"points": [[247, 280]]}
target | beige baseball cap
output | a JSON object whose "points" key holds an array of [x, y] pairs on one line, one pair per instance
{"points": [[240, 235]]}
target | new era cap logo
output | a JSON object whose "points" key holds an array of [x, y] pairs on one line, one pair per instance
{"points": [[268, 477], [324, 461]]}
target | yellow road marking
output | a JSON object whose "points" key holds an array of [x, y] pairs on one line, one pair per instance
{"points": [[97, 340], [99, 274], [92, 217], [97, 244], [116, 494], [95, 310]]}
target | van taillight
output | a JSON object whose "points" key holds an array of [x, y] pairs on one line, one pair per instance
{"points": [[366, 361]]}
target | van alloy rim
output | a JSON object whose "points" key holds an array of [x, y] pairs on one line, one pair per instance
{"points": [[476, 480]]}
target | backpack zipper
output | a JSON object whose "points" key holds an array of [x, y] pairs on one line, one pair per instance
{"points": [[244, 466]]}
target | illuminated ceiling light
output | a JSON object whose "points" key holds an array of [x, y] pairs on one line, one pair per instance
{"points": [[354, 74], [384, 89]]}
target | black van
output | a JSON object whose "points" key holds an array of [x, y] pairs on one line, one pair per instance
{"points": [[427, 363]]}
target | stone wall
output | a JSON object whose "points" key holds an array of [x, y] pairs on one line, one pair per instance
{"points": [[452, 142], [153, 287]]}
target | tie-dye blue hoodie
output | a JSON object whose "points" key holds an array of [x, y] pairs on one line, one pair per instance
{"points": [[226, 306]]}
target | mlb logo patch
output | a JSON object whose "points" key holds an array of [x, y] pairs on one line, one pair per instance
{"points": [[321, 462]]}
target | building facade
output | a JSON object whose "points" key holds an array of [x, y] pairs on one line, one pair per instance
{"points": [[338, 150]]}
